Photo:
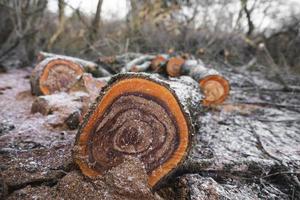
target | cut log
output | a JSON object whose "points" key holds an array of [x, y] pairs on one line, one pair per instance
{"points": [[214, 86], [54, 75], [174, 66], [90, 67], [141, 115]]}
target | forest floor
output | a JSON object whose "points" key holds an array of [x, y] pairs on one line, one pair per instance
{"points": [[248, 148]]}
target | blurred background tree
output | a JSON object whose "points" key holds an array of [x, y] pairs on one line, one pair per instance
{"points": [[231, 31]]}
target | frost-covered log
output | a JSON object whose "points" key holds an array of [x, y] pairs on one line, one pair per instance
{"points": [[116, 63], [133, 65], [214, 86], [141, 115], [90, 67], [141, 67], [54, 75]]}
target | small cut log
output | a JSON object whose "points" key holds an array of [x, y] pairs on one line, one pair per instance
{"points": [[140, 115], [214, 86], [54, 75]]}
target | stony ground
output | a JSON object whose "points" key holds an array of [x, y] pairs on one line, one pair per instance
{"points": [[248, 148]]}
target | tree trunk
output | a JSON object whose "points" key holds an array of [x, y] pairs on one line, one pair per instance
{"points": [[96, 22], [143, 116], [61, 23]]}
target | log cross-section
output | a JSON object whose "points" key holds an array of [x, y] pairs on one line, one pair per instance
{"points": [[54, 75], [139, 115], [214, 86]]}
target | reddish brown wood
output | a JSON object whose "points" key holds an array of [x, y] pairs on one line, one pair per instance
{"points": [[54, 75], [138, 115], [174, 66]]}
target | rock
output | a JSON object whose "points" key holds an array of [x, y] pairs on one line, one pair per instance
{"points": [[3, 188], [75, 186], [63, 110], [37, 166], [127, 181], [31, 192], [5, 127]]}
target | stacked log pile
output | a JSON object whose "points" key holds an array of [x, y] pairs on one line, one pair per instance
{"points": [[58, 73], [157, 126], [139, 114]]}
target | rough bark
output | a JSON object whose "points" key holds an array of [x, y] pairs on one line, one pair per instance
{"points": [[153, 122]]}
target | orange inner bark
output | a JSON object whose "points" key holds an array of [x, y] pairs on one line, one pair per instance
{"points": [[68, 64], [150, 88], [215, 89], [174, 66]]}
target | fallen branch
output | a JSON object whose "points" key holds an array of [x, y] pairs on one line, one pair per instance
{"points": [[138, 61], [116, 63]]}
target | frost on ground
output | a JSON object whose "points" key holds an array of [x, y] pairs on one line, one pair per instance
{"points": [[245, 149]]}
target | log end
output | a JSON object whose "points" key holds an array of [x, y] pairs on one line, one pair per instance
{"points": [[174, 66], [146, 122], [54, 75], [215, 88]]}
